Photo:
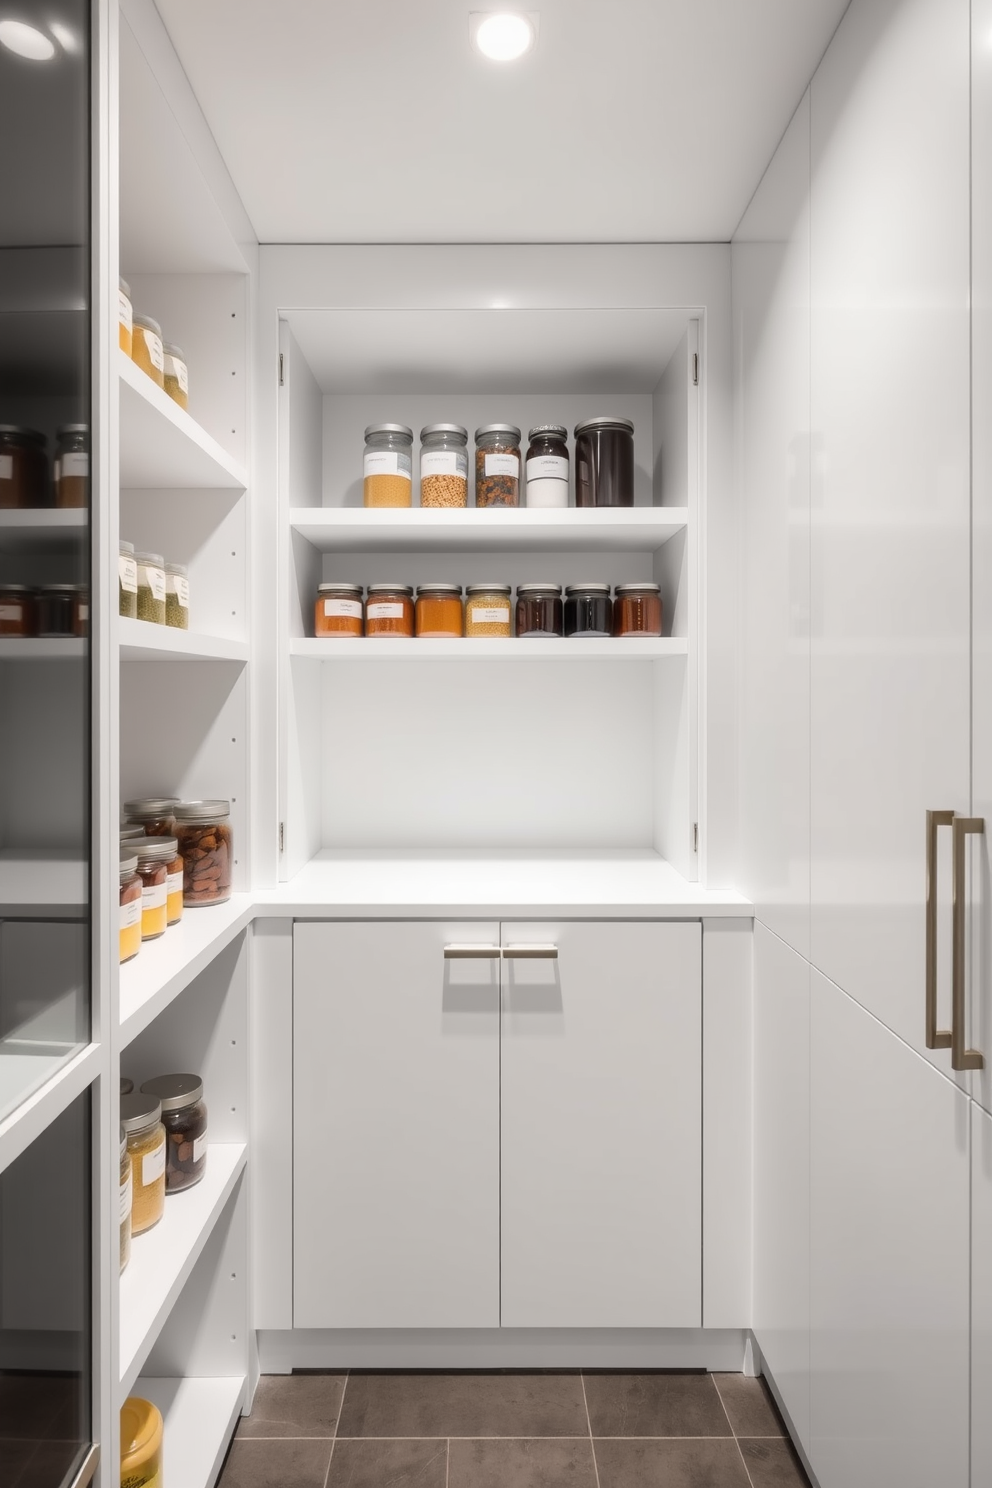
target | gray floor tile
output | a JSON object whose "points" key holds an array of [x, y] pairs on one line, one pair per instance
{"points": [[552, 1463], [670, 1464], [773, 1464], [294, 1405], [749, 1405], [655, 1405], [388, 1464], [497, 1404], [275, 1464]]}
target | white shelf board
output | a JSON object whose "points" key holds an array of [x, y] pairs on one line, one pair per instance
{"points": [[490, 648], [199, 1417], [162, 1258], [41, 648], [531, 529], [161, 446], [140, 640], [40, 528], [163, 968], [41, 882]]}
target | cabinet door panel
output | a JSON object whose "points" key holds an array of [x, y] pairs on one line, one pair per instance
{"points": [[396, 1149], [600, 1123], [981, 1298], [889, 1265]]}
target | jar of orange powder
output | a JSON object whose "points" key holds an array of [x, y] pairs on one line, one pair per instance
{"points": [[389, 610], [338, 611], [439, 610]]}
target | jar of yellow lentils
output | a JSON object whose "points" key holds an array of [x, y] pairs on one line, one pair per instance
{"points": [[388, 465], [487, 610]]}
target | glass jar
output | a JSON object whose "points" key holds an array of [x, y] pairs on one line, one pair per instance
{"points": [[184, 1117], [177, 596], [130, 910], [175, 373], [388, 465], [58, 610], [151, 587], [72, 464], [146, 348], [155, 857], [439, 611], [127, 575], [23, 468], [389, 610], [637, 610], [338, 610], [205, 842], [153, 814], [125, 1201], [487, 610], [142, 1431], [141, 1118], [126, 1085], [547, 466], [125, 316], [588, 610], [497, 465], [604, 462], [444, 465], [539, 610], [16, 610]]}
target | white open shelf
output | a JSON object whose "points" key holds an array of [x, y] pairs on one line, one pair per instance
{"points": [[140, 640], [41, 648], [161, 446], [491, 648], [163, 1257], [163, 968], [569, 530], [34, 529], [199, 1417]]}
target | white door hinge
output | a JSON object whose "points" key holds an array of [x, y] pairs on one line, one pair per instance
{"points": [[695, 837], [695, 369], [282, 837], [282, 377]]}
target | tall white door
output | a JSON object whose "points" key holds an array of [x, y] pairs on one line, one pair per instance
{"points": [[601, 1093], [981, 1298], [396, 1126], [890, 1164]]}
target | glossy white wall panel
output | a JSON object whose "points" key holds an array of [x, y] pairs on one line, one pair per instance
{"points": [[781, 1170], [771, 332], [981, 1298], [890, 619], [889, 1257]]}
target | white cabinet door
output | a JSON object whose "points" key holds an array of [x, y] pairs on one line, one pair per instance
{"points": [[889, 1261], [981, 1298], [890, 545], [396, 1113], [600, 1119]]}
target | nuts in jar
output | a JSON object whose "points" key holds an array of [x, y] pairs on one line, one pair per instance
{"points": [[175, 373], [146, 348], [539, 610], [129, 932], [388, 466], [141, 1118], [153, 814], [127, 575], [155, 855], [443, 465], [151, 587], [487, 610], [177, 596], [637, 610], [338, 610], [204, 833], [184, 1117], [389, 610], [497, 465], [439, 610]]}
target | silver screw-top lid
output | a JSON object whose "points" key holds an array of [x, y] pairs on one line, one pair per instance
{"points": [[487, 589], [150, 807], [139, 1112], [339, 588], [455, 430], [587, 589], [147, 324], [638, 588], [439, 589], [175, 1091], [509, 429], [605, 421], [151, 560], [557, 431], [535, 588], [154, 849], [126, 547], [199, 811], [171, 349], [402, 430], [390, 589], [129, 861]]}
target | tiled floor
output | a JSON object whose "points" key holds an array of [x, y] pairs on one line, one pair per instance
{"points": [[512, 1430]]}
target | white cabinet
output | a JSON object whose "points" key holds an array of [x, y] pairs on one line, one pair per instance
{"points": [[981, 1297], [396, 1127], [600, 1127], [889, 1267]]}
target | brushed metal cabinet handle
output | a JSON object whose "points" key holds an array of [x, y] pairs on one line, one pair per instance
{"points": [[961, 1058], [530, 952], [471, 953], [936, 1038]]}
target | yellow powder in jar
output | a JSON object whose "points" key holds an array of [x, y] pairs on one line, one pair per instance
{"points": [[388, 490], [146, 1150]]}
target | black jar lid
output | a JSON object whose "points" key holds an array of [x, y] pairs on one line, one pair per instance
{"points": [[580, 589], [548, 431], [639, 588], [605, 421], [175, 1092], [526, 589]]}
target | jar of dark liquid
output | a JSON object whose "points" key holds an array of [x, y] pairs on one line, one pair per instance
{"points": [[604, 462], [637, 610], [588, 610], [539, 610]]}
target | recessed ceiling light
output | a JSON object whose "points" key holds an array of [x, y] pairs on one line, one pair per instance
{"points": [[25, 41], [503, 36], [66, 39]]}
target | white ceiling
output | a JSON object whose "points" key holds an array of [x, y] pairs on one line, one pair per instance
{"points": [[631, 121]]}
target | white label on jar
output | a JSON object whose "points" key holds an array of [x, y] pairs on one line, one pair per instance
{"points": [[547, 467], [177, 369], [503, 465], [489, 615], [339, 609], [6, 467], [440, 462], [179, 586], [174, 883], [10, 612], [385, 610], [153, 1166], [388, 462], [78, 464], [199, 1146], [124, 309], [155, 579], [131, 913], [547, 493], [127, 570], [84, 612], [127, 1193], [155, 353], [153, 896]]}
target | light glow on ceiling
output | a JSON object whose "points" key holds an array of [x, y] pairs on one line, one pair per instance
{"points": [[66, 38], [503, 36], [25, 41]]}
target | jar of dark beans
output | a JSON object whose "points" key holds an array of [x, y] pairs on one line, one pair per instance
{"points": [[604, 462], [497, 465], [588, 610], [184, 1116], [637, 610], [539, 610]]}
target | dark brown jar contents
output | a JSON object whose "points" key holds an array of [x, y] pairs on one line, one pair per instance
{"points": [[203, 831], [16, 610], [604, 462], [184, 1116], [637, 610], [153, 814], [23, 468], [539, 611]]}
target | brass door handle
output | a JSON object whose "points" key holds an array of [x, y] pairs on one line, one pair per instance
{"points": [[961, 1058], [936, 1038], [471, 953], [530, 952]]}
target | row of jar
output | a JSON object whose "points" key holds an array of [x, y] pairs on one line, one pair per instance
{"points": [[604, 465], [440, 612], [49, 611], [141, 340], [163, 1149], [152, 588], [28, 481], [174, 855]]}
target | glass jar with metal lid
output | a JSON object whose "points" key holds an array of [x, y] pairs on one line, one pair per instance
{"points": [[497, 465], [127, 575], [388, 467], [487, 610], [604, 462], [588, 610], [539, 611], [177, 596], [175, 373], [389, 610], [72, 465], [17, 610], [124, 1201], [156, 859], [151, 587], [338, 610], [125, 316], [637, 610], [129, 932], [547, 466], [206, 843], [439, 611], [153, 814], [146, 348], [62, 610], [142, 1435], [184, 1116], [23, 468], [141, 1118], [444, 465]]}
